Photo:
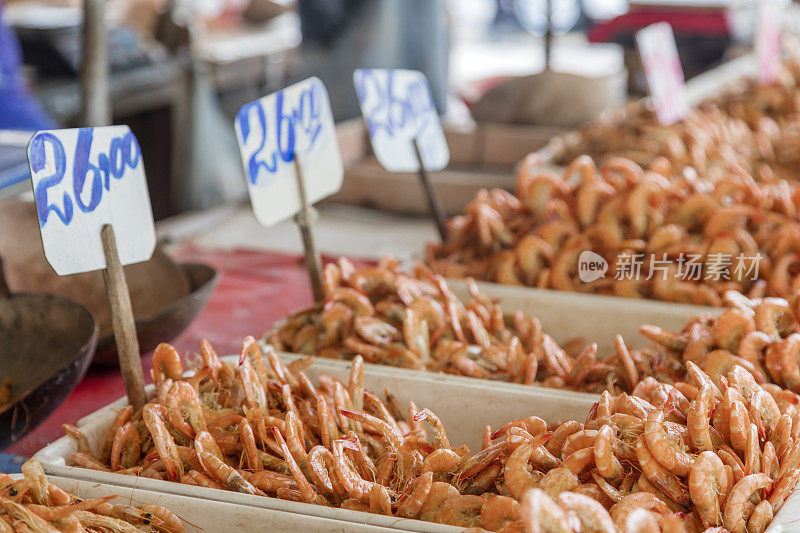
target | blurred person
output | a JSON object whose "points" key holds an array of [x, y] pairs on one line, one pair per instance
{"points": [[340, 36], [18, 109]]}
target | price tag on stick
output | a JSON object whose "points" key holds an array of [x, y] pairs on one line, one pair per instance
{"points": [[768, 41], [94, 214], [291, 159], [404, 128], [662, 68]]}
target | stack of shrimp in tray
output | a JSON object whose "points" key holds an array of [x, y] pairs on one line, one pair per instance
{"points": [[663, 235], [696, 456], [749, 125], [33, 504], [414, 320], [712, 451]]}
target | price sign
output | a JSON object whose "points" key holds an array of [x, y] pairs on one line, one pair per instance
{"points": [[662, 68], [295, 122], [768, 42], [398, 108], [84, 179], [94, 214]]}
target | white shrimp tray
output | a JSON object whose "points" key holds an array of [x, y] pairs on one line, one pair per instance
{"points": [[704, 87], [565, 316], [592, 317], [464, 405], [208, 516]]}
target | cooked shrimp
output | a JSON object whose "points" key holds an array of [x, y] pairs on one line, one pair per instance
{"points": [[736, 506], [540, 514], [166, 364], [708, 484]]}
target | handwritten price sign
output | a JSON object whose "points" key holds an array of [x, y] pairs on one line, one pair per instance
{"points": [[768, 42], [294, 122], [82, 180], [662, 68], [397, 107]]}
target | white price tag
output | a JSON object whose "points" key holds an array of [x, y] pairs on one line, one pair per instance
{"points": [[272, 131], [768, 41], [82, 180], [662, 68], [398, 107]]}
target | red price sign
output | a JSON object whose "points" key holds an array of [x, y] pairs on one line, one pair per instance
{"points": [[768, 42], [663, 71]]}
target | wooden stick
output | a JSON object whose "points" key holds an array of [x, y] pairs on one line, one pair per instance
{"points": [[122, 321], [304, 222], [95, 103], [433, 199], [4, 289], [548, 33]]}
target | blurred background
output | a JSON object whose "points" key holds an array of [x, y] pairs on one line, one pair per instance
{"points": [[180, 69]]}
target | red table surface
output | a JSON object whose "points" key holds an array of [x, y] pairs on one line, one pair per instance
{"points": [[255, 289]]}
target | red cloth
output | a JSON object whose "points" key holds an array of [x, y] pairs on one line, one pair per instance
{"points": [[255, 289], [707, 24]]}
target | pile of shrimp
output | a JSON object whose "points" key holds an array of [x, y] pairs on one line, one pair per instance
{"points": [[261, 427], [751, 126], [697, 455], [734, 229], [570, 511], [415, 321], [760, 335], [34, 504]]}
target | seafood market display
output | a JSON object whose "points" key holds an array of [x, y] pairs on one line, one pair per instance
{"points": [[712, 451], [415, 321], [697, 432], [752, 127], [373, 319], [34, 504], [761, 336], [652, 234]]}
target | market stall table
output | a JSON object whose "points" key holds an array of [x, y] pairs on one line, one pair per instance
{"points": [[262, 279], [256, 288]]}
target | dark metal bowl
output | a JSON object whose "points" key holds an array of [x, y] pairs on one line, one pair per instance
{"points": [[171, 321], [46, 345]]}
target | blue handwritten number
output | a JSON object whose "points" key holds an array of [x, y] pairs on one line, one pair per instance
{"points": [[366, 83], [81, 168], [124, 153], [116, 161], [308, 114], [400, 111], [254, 165], [38, 161], [284, 121], [392, 110], [288, 122]]}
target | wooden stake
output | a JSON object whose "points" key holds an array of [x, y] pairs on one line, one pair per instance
{"points": [[433, 199], [122, 321], [95, 103], [4, 289], [304, 222]]}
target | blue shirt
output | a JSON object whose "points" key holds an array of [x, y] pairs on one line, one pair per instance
{"points": [[18, 109]]}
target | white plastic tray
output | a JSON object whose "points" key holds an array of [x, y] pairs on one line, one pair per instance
{"points": [[567, 316], [209, 516], [702, 88], [595, 318], [218, 516], [465, 406]]}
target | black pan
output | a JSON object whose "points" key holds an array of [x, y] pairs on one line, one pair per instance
{"points": [[171, 321], [46, 345]]}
